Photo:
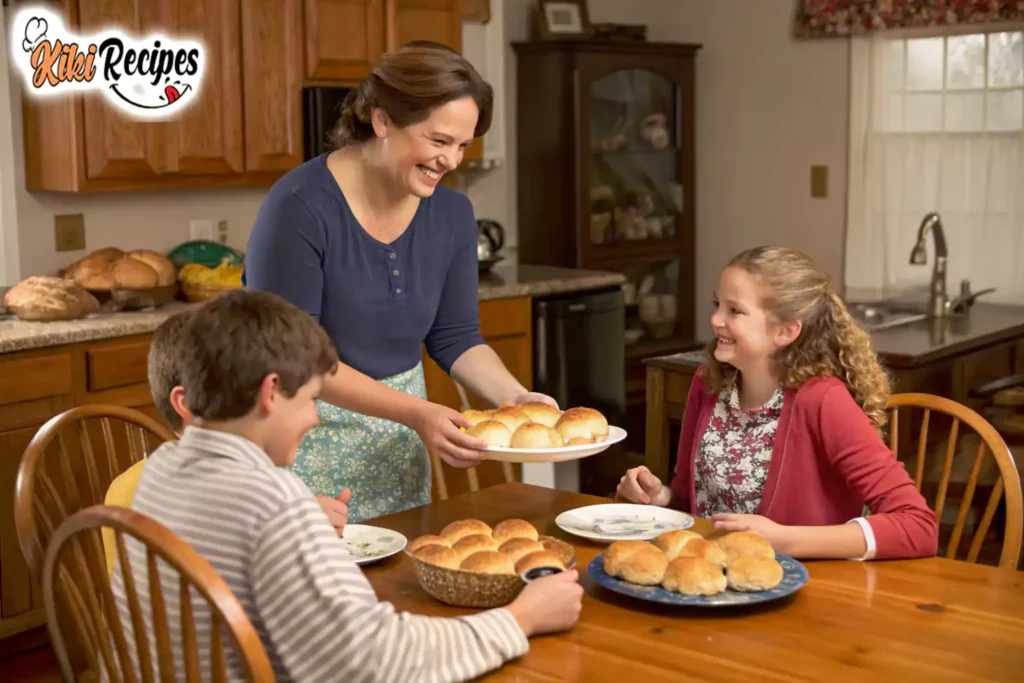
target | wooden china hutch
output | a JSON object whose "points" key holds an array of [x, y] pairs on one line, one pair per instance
{"points": [[605, 177]]}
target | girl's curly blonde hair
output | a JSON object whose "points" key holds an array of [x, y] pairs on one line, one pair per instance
{"points": [[830, 341]]}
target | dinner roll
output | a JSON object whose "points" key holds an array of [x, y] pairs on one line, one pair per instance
{"points": [[535, 435], [439, 555], [465, 527], [477, 416], [130, 273], [671, 542], [705, 550], [542, 558], [638, 562], [740, 543], [166, 273], [424, 541], [518, 548], [492, 432], [693, 576], [579, 441], [474, 543], [514, 528], [541, 413], [511, 416], [754, 573], [488, 562], [592, 419], [93, 272]]}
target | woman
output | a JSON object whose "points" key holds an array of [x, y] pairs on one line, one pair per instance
{"points": [[365, 240]]}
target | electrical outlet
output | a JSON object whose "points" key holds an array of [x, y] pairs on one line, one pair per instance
{"points": [[819, 182], [202, 230], [69, 232], [222, 231]]}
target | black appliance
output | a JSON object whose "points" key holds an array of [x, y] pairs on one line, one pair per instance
{"points": [[321, 109], [580, 360]]}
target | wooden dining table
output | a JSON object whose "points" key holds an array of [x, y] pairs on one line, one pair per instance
{"points": [[920, 620]]}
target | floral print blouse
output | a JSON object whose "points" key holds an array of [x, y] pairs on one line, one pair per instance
{"points": [[731, 463]]}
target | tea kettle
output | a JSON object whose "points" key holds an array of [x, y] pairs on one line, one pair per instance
{"points": [[490, 239]]}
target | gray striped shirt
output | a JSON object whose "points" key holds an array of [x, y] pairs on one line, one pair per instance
{"points": [[318, 617]]}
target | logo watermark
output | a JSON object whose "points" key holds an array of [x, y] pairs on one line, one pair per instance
{"points": [[155, 77]]}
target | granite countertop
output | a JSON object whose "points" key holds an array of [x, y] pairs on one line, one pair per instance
{"points": [[506, 280], [927, 341]]}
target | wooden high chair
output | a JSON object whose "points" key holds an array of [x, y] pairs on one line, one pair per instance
{"points": [[471, 474], [60, 474], [80, 605], [1008, 480]]}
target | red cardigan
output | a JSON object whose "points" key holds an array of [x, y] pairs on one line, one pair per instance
{"points": [[827, 462]]}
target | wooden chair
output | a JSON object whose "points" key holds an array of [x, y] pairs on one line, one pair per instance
{"points": [[75, 584], [60, 474], [1008, 481], [471, 473]]}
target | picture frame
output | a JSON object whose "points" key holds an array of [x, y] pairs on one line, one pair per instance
{"points": [[563, 19]]}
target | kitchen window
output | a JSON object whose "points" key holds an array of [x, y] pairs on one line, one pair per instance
{"points": [[937, 124]]}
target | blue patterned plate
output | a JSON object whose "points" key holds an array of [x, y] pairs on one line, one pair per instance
{"points": [[793, 579], [622, 521]]}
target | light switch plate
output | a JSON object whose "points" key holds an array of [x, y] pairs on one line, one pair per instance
{"points": [[69, 232], [819, 182]]}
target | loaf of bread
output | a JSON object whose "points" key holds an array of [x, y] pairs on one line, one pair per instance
{"points": [[491, 432], [541, 413], [42, 298], [754, 573], [693, 576], [94, 272], [514, 528], [166, 274], [536, 435], [131, 273]]}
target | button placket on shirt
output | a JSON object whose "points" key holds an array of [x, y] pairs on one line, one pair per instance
{"points": [[395, 278]]}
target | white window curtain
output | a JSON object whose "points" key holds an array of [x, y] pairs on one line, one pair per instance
{"points": [[937, 124]]}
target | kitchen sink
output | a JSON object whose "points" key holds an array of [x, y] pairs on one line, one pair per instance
{"points": [[883, 315]]}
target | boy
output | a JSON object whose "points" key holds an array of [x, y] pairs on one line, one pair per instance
{"points": [[252, 366]]}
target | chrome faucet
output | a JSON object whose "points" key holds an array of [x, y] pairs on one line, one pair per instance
{"points": [[938, 302]]}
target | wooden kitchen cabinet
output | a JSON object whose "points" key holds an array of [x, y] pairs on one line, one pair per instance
{"points": [[343, 39], [436, 20], [507, 328]]}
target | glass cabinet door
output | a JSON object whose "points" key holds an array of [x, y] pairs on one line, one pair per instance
{"points": [[635, 190]]}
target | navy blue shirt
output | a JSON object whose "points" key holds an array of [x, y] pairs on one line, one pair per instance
{"points": [[378, 302]]}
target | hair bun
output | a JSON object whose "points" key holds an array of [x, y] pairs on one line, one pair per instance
{"points": [[354, 124]]}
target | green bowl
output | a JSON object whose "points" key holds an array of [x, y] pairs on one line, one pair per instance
{"points": [[203, 252]]}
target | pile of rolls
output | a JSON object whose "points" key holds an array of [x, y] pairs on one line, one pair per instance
{"points": [[537, 426], [511, 547], [685, 562]]}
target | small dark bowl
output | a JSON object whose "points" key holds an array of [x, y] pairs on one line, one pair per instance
{"points": [[539, 573], [133, 299]]}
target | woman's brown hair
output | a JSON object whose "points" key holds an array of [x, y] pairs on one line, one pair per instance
{"points": [[830, 340], [408, 84]]}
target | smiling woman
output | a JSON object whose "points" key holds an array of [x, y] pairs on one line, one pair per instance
{"points": [[364, 239]]}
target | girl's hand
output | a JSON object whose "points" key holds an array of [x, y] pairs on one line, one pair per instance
{"points": [[639, 485], [439, 427], [534, 397], [774, 533]]}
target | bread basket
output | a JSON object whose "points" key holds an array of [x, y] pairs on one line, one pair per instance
{"points": [[197, 293], [152, 297], [471, 589]]}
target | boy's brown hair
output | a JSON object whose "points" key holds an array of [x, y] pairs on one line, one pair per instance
{"points": [[237, 339], [163, 366]]}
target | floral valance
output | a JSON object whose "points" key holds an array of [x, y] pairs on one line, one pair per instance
{"points": [[834, 18]]}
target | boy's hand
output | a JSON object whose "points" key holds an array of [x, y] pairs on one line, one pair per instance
{"points": [[639, 485], [775, 534], [336, 509], [549, 604]]}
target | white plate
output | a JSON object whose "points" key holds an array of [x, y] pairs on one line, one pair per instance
{"points": [[563, 454], [622, 521], [371, 543]]}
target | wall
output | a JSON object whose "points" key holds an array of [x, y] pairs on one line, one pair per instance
{"points": [[768, 108]]}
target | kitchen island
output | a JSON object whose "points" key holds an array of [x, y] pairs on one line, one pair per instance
{"points": [[47, 368]]}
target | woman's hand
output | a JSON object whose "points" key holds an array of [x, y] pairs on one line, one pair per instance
{"points": [[336, 509], [534, 397], [639, 485], [439, 427], [775, 534]]}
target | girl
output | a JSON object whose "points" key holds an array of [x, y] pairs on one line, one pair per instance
{"points": [[781, 430]]}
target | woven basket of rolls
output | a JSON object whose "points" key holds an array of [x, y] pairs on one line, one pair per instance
{"points": [[135, 279], [469, 564]]}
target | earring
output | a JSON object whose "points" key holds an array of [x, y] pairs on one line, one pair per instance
{"points": [[380, 133]]}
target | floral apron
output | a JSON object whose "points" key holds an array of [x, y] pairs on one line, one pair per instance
{"points": [[384, 463]]}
